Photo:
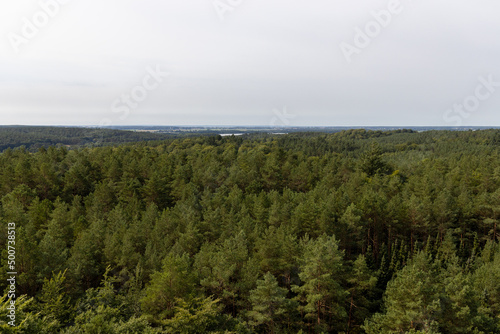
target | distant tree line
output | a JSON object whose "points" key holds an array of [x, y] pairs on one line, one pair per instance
{"points": [[36, 137]]}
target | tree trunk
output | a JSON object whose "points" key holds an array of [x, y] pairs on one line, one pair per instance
{"points": [[350, 314]]}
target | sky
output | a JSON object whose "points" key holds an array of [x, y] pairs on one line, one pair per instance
{"points": [[242, 62]]}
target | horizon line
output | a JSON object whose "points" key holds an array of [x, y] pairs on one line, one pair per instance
{"points": [[251, 126]]}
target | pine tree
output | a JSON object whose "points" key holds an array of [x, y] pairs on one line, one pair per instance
{"points": [[362, 282], [485, 282], [199, 316], [53, 302], [277, 252], [176, 280], [269, 303], [220, 269], [353, 228], [321, 295], [411, 300]]}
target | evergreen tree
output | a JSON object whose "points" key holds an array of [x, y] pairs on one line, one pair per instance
{"points": [[411, 300], [362, 283], [175, 281], [53, 302], [199, 316], [321, 295], [269, 303]]}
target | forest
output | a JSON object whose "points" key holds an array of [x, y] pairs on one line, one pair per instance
{"points": [[349, 232], [35, 137]]}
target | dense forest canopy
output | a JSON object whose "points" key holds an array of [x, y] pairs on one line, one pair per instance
{"points": [[351, 232]]}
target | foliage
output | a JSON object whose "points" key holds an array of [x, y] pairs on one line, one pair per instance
{"points": [[355, 231]]}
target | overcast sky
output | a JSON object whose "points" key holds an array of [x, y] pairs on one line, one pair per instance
{"points": [[250, 62]]}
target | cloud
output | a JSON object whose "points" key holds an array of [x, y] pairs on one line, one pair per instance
{"points": [[264, 55]]}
